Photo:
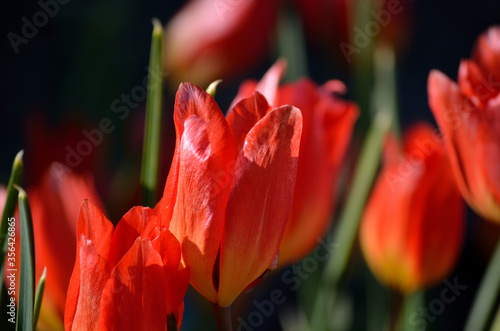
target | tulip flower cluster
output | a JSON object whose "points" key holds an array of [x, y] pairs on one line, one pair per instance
{"points": [[126, 278], [230, 188], [256, 189]]}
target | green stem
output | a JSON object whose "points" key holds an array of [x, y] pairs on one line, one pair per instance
{"points": [[486, 297], [38, 297], [345, 236], [27, 268], [223, 318], [395, 311], [411, 304], [364, 176], [152, 132], [291, 44], [8, 212]]}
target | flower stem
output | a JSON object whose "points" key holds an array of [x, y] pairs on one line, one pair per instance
{"points": [[223, 318], [151, 147]]}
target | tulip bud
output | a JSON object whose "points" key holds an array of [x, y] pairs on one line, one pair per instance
{"points": [[412, 229]]}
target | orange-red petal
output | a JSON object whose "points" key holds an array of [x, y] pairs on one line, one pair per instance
{"points": [[203, 190], [260, 201], [134, 298], [244, 115]]}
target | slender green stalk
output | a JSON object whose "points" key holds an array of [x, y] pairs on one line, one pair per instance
{"points": [[152, 132], [411, 304], [345, 235], [496, 322], [362, 63], [486, 297], [364, 176], [291, 44], [8, 212], [223, 318], [27, 269], [38, 297]]}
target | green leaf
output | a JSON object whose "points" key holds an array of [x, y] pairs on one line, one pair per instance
{"points": [[152, 132], [38, 297], [27, 270], [8, 211]]}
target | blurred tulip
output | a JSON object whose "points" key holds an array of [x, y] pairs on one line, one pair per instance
{"points": [[348, 26], [126, 278], [412, 229], [54, 202], [469, 117], [327, 127], [48, 142], [230, 189], [212, 39]]}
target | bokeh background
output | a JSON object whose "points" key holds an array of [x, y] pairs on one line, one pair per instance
{"points": [[67, 76]]}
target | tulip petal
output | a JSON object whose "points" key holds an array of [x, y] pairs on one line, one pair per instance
{"points": [[134, 298], [95, 226], [53, 205], [474, 84], [94, 238], [267, 86], [137, 222], [87, 282], [203, 190], [327, 127], [470, 134], [176, 285], [431, 226], [177, 281], [487, 54], [245, 115], [191, 100], [260, 201]]}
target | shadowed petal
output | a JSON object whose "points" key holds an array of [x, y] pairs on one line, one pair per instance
{"points": [[134, 297], [245, 115]]}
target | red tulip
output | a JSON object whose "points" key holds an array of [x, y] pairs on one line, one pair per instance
{"points": [[212, 39], [412, 229], [469, 117], [230, 189], [126, 278], [327, 127]]}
